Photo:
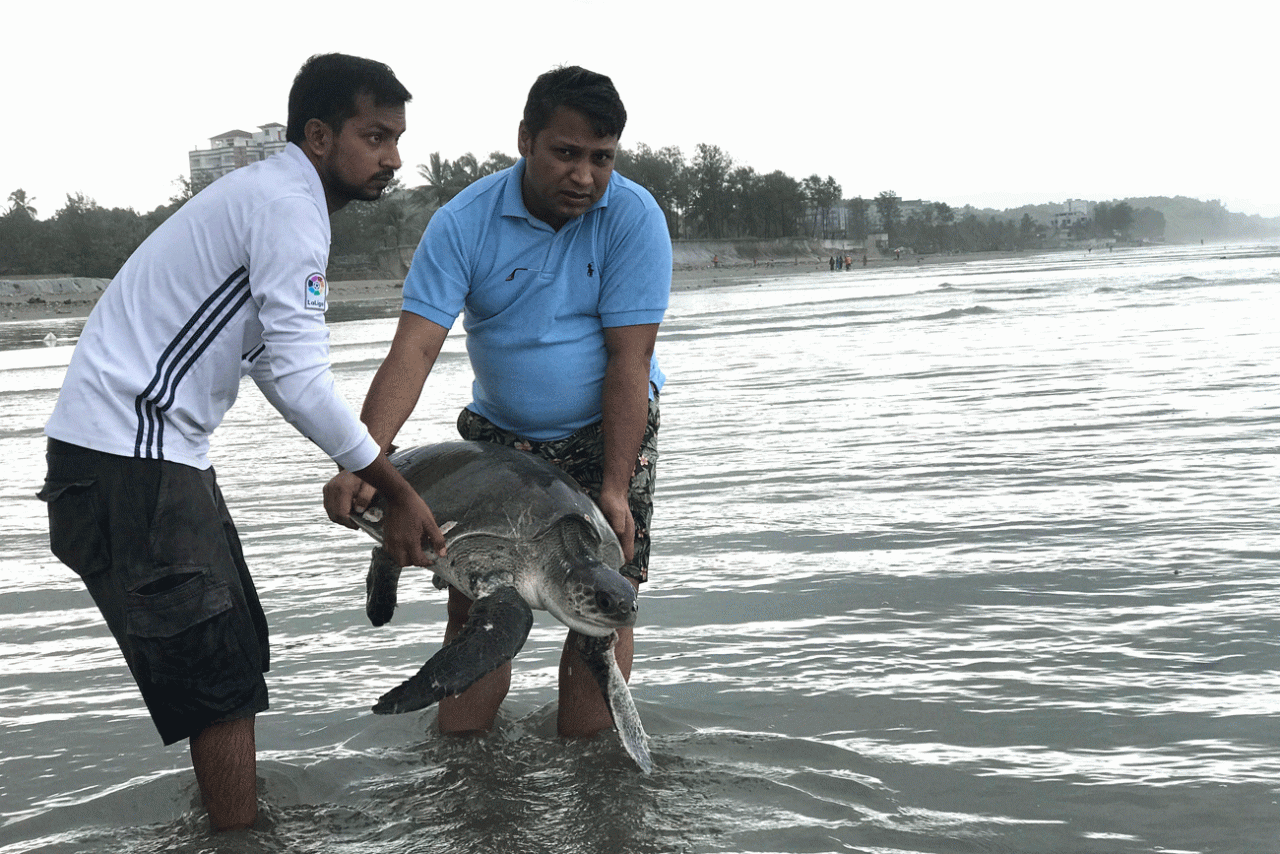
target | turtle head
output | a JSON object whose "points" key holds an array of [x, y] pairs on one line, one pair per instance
{"points": [[594, 599], [581, 586]]}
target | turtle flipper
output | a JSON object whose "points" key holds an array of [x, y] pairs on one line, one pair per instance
{"points": [[494, 633], [380, 587], [597, 653]]}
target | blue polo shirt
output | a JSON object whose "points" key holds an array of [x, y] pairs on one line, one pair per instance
{"points": [[536, 301]]}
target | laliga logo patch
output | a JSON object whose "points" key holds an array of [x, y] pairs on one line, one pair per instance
{"points": [[317, 290]]}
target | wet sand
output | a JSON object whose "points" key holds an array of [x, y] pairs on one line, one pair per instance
{"points": [[19, 303], [40, 306]]}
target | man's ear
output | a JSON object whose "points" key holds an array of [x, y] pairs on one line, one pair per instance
{"points": [[318, 137], [524, 142]]}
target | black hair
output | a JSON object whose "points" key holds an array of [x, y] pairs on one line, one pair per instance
{"points": [[586, 91], [327, 86]]}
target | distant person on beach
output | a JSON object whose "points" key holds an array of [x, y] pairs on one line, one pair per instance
{"points": [[561, 269], [231, 284]]}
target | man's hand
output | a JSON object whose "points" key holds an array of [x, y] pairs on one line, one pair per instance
{"points": [[618, 514], [408, 527], [345, 494]]}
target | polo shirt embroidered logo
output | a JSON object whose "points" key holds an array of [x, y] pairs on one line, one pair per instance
{"points": [[591, 271], [317, 290]]}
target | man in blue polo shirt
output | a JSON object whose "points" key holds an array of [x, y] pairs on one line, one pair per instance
{"points": [[562, 271]]}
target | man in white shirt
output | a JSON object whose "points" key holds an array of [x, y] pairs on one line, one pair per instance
{"points": [[231, 284]]}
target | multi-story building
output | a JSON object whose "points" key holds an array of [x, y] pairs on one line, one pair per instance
{"points": [[233, 149], [1077, 212]]}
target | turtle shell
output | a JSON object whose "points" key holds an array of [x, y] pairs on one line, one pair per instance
{"points": [[493, 490]]}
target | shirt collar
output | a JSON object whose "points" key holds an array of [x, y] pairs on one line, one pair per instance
{"points": [[513, 199], [295, 156]]}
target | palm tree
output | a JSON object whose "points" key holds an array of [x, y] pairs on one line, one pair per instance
{"points": [[445, 179], [20, 203], [436, 174]]}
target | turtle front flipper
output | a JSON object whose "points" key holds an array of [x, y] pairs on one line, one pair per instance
{"points": [[597, 653], [380, 587], [495, 631]]}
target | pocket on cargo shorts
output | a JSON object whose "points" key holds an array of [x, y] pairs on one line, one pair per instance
{"points": [[184, 630], [76, 536]]}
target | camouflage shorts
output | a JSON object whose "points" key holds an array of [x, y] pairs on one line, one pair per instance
{"points": [[582, 457]]}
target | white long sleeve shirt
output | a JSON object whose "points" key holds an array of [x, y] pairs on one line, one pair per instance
{"points": [[231, 284]]}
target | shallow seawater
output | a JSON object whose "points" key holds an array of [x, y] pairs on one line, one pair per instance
{"points": [[965, 558]]}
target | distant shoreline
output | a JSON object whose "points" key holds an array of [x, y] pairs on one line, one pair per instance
{"points": [[63, 297], [38, 297]]}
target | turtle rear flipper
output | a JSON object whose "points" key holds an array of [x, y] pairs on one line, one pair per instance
{"points": [[494, 633], [380, 587]]}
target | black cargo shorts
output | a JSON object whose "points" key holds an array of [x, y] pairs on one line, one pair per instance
{"points": [[157, 550]]}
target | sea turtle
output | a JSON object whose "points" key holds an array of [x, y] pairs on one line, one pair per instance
{"points": [[519, 534]]}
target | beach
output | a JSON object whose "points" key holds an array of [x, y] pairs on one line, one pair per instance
{"points": [[46, 296]]}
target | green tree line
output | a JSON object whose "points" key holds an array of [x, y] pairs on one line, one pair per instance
{"points": [[713, 197], [708, 196], [80, 239], [935, 227]]}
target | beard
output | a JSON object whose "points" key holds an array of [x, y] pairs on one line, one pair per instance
{"points": [[369, 191]]}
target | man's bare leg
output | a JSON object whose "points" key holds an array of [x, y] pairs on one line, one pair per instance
{"points": [[225, 761], [583, 712], [474, 710]]}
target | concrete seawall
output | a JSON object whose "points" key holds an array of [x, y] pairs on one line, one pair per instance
{"points": [[51, 296], [686, 255], [59, 287]]}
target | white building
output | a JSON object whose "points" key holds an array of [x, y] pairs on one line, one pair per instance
{"points": [[233, 149], [1077, 212]]}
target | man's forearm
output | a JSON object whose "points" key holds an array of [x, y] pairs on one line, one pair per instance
{"points": [[393, 395], [625, 404], [398, 383], [382, 476]]}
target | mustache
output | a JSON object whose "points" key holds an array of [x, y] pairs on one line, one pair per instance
{"points": [[385, 176]]}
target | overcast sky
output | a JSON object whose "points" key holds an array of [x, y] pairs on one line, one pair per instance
{"points": [[993, 104]]}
